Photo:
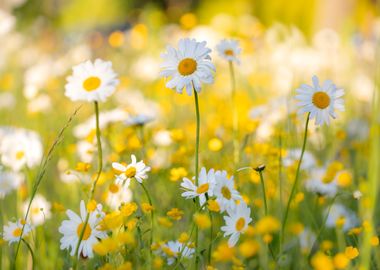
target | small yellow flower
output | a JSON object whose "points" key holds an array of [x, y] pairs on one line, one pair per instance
{"points": [[344, 179], [131, 224], [57, 207], [351, 252], [341, 261], [267, 238], [146, 207], [163, 221], [320, 261], [82, 167], [326, 245], [249, 248], [215, 144], [175, 213], [125, 266], [213, 206], [158, 263], [112, 221], [267, 225], [91, 205], [128, 209], [202, 220], [223, 253], [183, 238], [177, 174], [374, 241]]}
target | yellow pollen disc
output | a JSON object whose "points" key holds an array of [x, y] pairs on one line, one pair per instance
{"points": [[36, 210], [113, 188], [17, 232], [91, 83], [202, 188], [321, 100], [130, 172], [240, 223], [229, 52], [20, 155], [86, 233], [226, 192], [187, 66]]}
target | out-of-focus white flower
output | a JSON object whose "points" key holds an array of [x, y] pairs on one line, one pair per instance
{"points": [[19, 148], [357, 194], [225, 192], [12, 231], [91, 81], [7, 100], [9, 181], [41, 103], [117, 195], [307, 239], [173, 249], [146, 68], [315, 183], [138, 120], [229, 50], [342, 215], [7, 21], [293, 156], [162, 138], [39, 210]]}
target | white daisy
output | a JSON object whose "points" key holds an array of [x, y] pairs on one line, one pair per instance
{"points": [[72, 228], [229, 50], [91, 81], [117, 195], [339, 213], [320, 101], [9, 181], [236, 222], [13, 230], [137, 170], [138, 120], [187, 67], [20, 148], [316, 184], [173, 248], [206, 183], [225, 192], [39, 210]]}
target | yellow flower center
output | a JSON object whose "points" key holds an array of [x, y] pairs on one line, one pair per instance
{"points": [[187, 66], [130, 172], [91, 83], [240, 223], [86, 233], [17, 232], [229, 52], [20, 155], [226, 192], [321, 100], [202, 188], [114, 188], [36, 210]]}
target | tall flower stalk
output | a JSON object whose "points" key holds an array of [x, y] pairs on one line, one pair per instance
{"points": [[100, 168], [235, 116], [293, 190], [41, 173]]}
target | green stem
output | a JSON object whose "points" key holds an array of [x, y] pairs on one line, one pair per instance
{"points": [[41, 173], [280, 177], [196, 171], [235, 118], [295, 182], [100, 168], [263, 191], [152, 220], [30, 250], [211, 235]]}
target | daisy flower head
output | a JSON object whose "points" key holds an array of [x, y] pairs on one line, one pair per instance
{"points": [[39, 210], [206, 183], [237, 222], [225, 192], [172, 249], [9, 181], [136, 170], [229, 50], [72, 228], [13, 230], [91, 81], [188, 66], [320, 101]]}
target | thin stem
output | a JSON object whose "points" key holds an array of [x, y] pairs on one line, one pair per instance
{"points": [[295, 182], [196, 170], [280, 177], [152, 220], [211, 235], [235, 118], [30, 250], [100, 168], [41, 173], [263, 191]]}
